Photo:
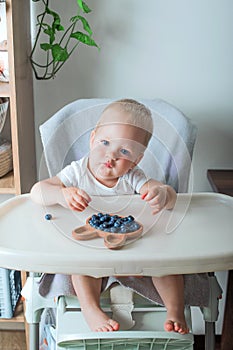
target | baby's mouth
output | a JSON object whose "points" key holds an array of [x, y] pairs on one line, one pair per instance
{"points": [[108, 164]]}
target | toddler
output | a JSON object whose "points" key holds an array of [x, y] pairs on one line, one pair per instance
{"points": [[117, 144]]}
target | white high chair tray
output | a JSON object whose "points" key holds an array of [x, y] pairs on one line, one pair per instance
{"points": [[196, 236]]}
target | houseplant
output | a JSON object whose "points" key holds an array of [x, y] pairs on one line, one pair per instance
{"points": [[57, 42]]}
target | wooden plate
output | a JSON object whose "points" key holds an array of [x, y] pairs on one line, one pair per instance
{"points": [[111, 240]]}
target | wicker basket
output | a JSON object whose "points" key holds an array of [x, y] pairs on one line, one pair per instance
{"points": [[6, 162], [4, 102]]}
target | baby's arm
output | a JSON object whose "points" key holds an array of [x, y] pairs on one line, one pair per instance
{"points": [[158, 195], [52, 191]]}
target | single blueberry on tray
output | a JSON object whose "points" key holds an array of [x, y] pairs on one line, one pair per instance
{"points": [[48, 217], [114, 223]]}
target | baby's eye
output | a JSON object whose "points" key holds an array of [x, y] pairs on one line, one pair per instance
{"points": [[125, 152], [105, 142]]}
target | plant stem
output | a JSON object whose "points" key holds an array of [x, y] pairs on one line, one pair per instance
{"points": [[46, 4]]}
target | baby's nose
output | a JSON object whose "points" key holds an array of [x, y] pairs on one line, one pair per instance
{"points": [[112, 155]]}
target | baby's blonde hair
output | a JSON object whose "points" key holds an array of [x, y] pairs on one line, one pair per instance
{"points": [[138, 115]]}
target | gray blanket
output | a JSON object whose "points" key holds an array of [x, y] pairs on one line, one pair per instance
{"points": [[196, 287]]}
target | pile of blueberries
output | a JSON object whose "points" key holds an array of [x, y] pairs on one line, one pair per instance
{"points": [[113, 223]]}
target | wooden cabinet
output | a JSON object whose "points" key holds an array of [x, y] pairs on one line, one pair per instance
{"points": [[19, 90]]}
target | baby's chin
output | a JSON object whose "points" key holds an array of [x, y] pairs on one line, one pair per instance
{"points": [[106, 177], [105, 174]]}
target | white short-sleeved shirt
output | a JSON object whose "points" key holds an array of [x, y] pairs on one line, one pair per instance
{"points": [[78, 175]]}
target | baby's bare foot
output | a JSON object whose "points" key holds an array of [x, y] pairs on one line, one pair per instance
{"points": [[109, 326], [176, 322], [98, 321], [176, 326]]}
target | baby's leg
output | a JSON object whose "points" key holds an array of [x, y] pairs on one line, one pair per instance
{"points": [[171, 291], [88, 291]]}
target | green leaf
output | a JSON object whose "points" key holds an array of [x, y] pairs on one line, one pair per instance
{"points": [[86, 8], [59, 54], [57, 26], [45, 46], [83, 6], [74, 19], [86, 25], [52, 13], [84, 38], [80, 4], [50, 32]]}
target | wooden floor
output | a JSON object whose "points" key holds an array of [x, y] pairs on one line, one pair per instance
{"points": [[12, 340]]}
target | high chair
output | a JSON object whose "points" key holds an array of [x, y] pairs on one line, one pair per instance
{"points": [[65, 137]]}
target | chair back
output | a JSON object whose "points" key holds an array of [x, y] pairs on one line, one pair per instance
{"points": [[65, 137]]}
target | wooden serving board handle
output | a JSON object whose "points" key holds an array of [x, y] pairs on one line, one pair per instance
{"points": [[84, 233]]}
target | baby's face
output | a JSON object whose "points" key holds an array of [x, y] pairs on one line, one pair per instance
{"points": [[114, 150]]}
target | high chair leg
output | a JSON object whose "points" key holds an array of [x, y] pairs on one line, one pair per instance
{"points": [[209, 335], [34, 336]]}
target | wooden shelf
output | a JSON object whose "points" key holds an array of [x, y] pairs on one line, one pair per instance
{"points": [[18, 314], [17, 321]]}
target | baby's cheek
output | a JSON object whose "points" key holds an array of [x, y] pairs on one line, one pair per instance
{"points": [[98, 153]]}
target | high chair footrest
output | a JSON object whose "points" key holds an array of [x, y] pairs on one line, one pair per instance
{"points": [[129, 340], [73, 332]]}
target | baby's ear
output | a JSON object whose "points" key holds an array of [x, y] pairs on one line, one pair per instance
{"points": [[92, 138]]}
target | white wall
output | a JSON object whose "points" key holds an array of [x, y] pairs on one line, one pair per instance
{"points": [[177, 50]]}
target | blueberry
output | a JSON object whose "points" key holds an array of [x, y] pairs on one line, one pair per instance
{"points": [[112, 220], [48, 217], [107, 217], [135, 226], [117, 224], [130, 218]]}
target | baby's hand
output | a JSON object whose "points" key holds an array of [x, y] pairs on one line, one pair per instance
{"points": [[75, 198], [156, 197]]}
